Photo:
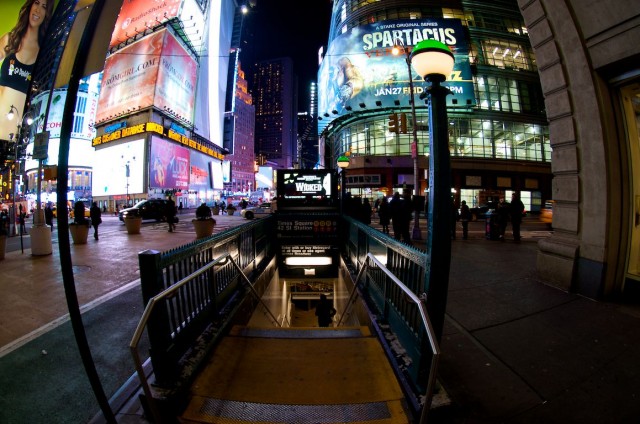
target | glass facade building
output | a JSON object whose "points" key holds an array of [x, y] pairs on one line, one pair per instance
{"points": [[498, 134]]}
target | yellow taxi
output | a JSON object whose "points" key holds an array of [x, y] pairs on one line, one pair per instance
{"points": [[546, 213]]}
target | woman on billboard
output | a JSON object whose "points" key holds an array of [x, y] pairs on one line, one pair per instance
{"points": [[18, 53]]}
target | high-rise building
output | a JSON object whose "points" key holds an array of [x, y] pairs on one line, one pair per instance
{"points": [[308, 132], [275, 100], [242, 161], [498, 133]]}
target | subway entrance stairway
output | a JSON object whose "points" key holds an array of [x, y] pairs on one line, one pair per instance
{"points": [[296, 375], [231, 339]]}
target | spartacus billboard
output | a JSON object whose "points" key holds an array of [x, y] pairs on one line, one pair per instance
{"points": [[359, 67]]}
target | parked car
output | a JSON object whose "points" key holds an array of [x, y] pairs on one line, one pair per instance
{"points": [[259, 211], [546, 213], [147, 209]]}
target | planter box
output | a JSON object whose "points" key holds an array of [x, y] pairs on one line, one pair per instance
{"points": [[79, 233], [203, 227], [133, 224], [230, 211]]}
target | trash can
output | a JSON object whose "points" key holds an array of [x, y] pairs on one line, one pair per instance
{"points": [[492, 232]]}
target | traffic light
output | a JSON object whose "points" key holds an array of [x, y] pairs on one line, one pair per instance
{"points": [[393, 123], [403, 123]]}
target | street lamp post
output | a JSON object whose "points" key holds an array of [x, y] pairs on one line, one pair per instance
{"points": [[40, 232], [434, 61], [343, 163], [19, 139], [416, 233]]}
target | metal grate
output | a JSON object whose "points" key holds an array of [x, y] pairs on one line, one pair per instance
{"points": [[294, 414], [288, 333]]}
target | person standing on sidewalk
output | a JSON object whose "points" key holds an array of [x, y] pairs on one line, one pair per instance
{"points": [[465, 217], [96, 218], [384, 214], [170, 214], [22, 218], [48, 215], [516, 210], [503, 212]]}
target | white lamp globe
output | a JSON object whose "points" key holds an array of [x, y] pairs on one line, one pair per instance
{"points": [[431, 57]]}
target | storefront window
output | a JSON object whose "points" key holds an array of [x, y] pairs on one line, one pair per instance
{"points": [[468, 137]]}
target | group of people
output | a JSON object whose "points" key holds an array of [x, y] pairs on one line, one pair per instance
{"points": [[505, 213], [510, 212], [397, 212]]}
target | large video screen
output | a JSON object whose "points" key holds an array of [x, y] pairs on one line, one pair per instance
{"points": [[110, 165], [305, 188], [168, 165]]}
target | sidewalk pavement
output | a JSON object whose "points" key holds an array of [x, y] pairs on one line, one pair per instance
{"points": [[31, 289], [514, 350]]}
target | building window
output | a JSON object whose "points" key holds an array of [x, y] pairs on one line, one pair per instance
{"points": [[506, 55]]}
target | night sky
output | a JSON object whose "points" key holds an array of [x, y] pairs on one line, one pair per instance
{"points": [[293, 28]]}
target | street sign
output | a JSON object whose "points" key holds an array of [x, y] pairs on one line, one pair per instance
{"points": [[41, 146]]}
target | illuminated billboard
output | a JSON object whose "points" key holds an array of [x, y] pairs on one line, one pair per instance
{"points": [[176, 86], [168, 165], [155, 70], [17, 73], [199, 172], [360, 69], [305, 188], [84, 115], [110, 169], [136, 16]]}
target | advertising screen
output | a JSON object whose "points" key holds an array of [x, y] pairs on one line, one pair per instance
{"points": [[110, 169], [359, 67], [154, 71], [226, 171], [199, 172], [168, 165], [264, 177], [305, 188], [129, 78], [84, 115], [175, 88], [215, 170], [16, 74], [138, 15]]}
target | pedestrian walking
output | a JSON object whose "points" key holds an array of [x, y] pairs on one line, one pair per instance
{"points": [[465, 217], [180, 208], [48, 215], [516, 208], [96, 218], [384, 214], [400, 216], [366, 212], [324, 311], [170, 214]]}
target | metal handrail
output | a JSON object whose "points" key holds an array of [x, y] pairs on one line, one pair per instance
{"points": [[137, 335], [420, 303]]}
